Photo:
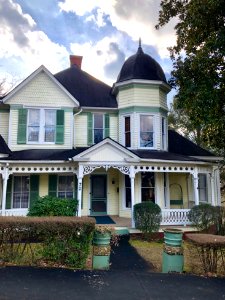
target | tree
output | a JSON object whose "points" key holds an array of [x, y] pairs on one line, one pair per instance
{"points": [[199, 64]]}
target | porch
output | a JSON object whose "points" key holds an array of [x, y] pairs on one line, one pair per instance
{"points": [[169, 217]]}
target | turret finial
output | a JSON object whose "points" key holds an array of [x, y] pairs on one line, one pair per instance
{"points": [[139, 42]]}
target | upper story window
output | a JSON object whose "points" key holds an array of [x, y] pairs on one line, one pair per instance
{"points": [[146, 131], [202, 188], [98, 128], [41, 125], [127, 131], [163, 133]]}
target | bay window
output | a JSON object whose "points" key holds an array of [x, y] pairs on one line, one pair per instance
{"points": [[127, 131]]}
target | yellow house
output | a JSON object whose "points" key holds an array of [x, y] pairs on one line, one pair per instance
{"points": [[72, 136]]}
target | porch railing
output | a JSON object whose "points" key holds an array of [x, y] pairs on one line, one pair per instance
{"points": [[175, 217], [15, 212]]}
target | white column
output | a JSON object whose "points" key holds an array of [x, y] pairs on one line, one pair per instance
{"points": [[212, 181], [195, 180], [5, 177], [132, 176], [217, 186], [79, 189]]}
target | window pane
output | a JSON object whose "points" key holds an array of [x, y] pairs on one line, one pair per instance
{"points": [[202, 187], [33, 125], [50, 123], [127, 132], [146, 131], [148, 186], [98, 135], [34, 117], [127, 124], [127, 192], [98, 121], [65, 187]]}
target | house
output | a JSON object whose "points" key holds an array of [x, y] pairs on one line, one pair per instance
{"points": [[71, 135]]}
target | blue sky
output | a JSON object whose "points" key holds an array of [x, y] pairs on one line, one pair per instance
{"points": [[104, 32]]}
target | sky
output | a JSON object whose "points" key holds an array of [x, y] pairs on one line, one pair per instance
{"points": [[104, 32]]}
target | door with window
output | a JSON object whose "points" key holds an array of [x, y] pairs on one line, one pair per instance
{"points": [[98, 195]]}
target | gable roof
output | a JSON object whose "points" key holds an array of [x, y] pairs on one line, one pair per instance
{"points": [[4, 149], [31, 77], [89, 91], [181, 145]]}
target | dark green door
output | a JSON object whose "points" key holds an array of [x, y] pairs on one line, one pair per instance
{"points": [[98, 195]]}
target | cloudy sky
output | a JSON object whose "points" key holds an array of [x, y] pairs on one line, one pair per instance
{"points": [[104, 32]]}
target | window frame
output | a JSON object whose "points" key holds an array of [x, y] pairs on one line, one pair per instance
{"points": [[65, 191], [42, 125], [93, 127], [153, 131], [21, 192]]}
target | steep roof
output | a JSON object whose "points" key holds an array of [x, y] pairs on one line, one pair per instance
{"points": [[181, 145], [4, 149], [89, 91], [141, 66]]}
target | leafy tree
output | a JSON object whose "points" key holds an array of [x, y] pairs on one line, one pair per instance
{"points": [[199, 64]]}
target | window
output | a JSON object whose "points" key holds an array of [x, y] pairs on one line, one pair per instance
{"points": [[148, 186], [41, 125], [163, 133], [98, 128], [127, 192], [202, 187], [127, 131], [65, 186], [21, 191], [146, 131]]}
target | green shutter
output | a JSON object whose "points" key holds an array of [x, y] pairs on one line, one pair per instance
{"points": [[59, 127], [22, 126], [106, 125], [9, 193], [34, 188], [52, 185], [90, 129], [75, 187]]}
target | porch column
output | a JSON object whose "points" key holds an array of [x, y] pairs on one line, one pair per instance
{"points": [[5, 177], [212, 181], [132, 176], [195, 179], [79, 190]]}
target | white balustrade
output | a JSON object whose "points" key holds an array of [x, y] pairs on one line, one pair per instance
{"points": [[175, 217], [15, 212]]}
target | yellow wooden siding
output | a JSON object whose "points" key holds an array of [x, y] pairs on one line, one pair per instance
{"points": [[43, 187], [112, 192], [4, 125], [13, 136], [80, 129], [176, 181], [125, 98], [43, 92], [163, 99], [113, 123]]}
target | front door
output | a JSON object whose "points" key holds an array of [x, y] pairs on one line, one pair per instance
{"points": [[98, 195]]}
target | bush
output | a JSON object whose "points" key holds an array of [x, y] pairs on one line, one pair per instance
{"points": [[53, 206], [219, 219], [202, 216], [63, 240], [147, 217]]}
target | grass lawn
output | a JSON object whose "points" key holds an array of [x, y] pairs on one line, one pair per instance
{"points": [[152, 252]]}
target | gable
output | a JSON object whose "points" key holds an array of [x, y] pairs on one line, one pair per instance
{"points": [[41, 89], [106, 151]]}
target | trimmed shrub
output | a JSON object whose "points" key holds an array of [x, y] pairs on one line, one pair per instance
{"points": [[63, 240], [202, 216], [53, 206], [147, 217]]}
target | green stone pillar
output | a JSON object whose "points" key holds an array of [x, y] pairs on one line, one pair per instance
{"points": [[101, 250]]}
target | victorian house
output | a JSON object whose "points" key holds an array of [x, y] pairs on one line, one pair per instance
{"points": [[71, 135]]}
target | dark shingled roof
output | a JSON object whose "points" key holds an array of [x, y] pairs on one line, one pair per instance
{"points": [[141, 66], [181, 145], [4, 149], [45, 154], [86, 89]]}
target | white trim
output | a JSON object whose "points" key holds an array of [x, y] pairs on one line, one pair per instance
{"points": [[209, 158], [42, 68], [105, 109]]}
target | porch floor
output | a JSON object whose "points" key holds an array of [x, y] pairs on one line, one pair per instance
{"points": [[121, 222]]}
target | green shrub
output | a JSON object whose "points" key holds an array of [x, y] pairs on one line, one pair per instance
{"points": [[219, 219], [53, 206], [202, 216], [147, 217]]}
